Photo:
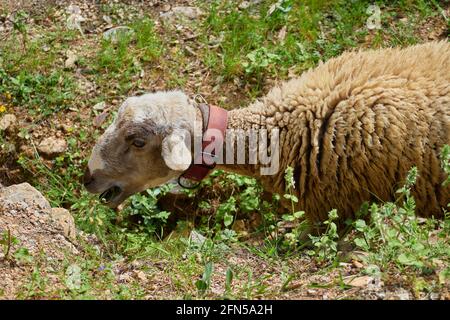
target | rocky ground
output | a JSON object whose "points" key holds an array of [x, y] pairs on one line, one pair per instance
{"points": [[39, 243], [33, 234]]}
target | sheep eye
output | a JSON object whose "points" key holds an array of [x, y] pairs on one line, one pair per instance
{"points": [[138, 143]]}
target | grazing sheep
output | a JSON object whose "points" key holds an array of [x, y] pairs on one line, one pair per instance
{"points": [[351, 128]]}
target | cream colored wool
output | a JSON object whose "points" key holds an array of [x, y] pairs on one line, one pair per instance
{"points": [[354, 126]]}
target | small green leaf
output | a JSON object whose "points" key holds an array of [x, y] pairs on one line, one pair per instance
{"points": [[360, 242], [227, 219], [288, 217], [299, 214], [373, 270], [291, 197], [360, 225], [23, 255], [409, 260], [201, 285], [228, 279]]}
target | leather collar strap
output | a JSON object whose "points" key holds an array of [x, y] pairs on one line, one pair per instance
{"points": [[217, 119]]}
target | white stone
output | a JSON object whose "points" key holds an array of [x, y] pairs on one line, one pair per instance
{"points": [[181, 12], [71, 60], [100, 106], [7, 121], [23, 194], [52, 146], [65, 220], [114, 33]]}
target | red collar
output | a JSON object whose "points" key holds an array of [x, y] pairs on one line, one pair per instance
{"points": [[217, 119]]}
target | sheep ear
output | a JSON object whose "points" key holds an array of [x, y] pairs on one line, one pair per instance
{"points": [[175, 153]]}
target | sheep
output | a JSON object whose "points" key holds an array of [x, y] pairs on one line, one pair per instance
{"points": [[351, 129]]}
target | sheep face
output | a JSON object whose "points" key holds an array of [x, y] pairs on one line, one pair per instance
{"points": [[147, 145]]}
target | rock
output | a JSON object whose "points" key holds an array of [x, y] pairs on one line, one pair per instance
{"points": [[27, 216], [141, 275], [166, 7], [84, 85], [182, 12], [434, 296], [107, 19], [51, 147], [100, 119], [74, 18], [25, 195], [71, 60], [100, 106], [113, 34], [244, 5], [376, 285], [401, 294], [125, 277], [188, 12], [7, 121], [73, 9], [197, 238], [358, 281], [65, 128], [65, 220], [282, 34]]}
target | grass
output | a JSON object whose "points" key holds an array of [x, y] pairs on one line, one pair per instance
{"points": [[232, 55], [257, 43], [121, 57]]}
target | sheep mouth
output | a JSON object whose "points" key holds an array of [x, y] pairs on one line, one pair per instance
{"points": [[110, 194]]}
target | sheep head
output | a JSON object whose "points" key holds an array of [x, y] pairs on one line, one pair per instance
{"points": [[147, 145]]}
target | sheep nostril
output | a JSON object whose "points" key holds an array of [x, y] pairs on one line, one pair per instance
{"points": [[87, 178]]}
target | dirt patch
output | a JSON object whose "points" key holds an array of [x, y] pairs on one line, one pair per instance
{"points": [[435, 28]]}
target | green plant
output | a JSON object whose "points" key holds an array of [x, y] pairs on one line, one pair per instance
{"points": [[124, 56], [230, 49], [20, 255], [226, 211], [145, 206], [259, 59], [7, 241], [291, 239], [19, 23], [204, 283], [396, 235], [36, 286], [44, 94], [326, 243], [228, 280]]}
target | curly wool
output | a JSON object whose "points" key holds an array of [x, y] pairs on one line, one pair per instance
{"points": [[354, 126]]}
